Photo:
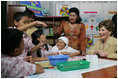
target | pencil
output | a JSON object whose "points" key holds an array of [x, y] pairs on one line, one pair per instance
{"points": [[48, 67]]}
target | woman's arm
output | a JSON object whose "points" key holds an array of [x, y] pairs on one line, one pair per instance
{"points": [[82, 39]]}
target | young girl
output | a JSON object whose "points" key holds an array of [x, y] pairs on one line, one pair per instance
{"points": [[63, 48], [39, 38], [12, 45], [21, 22]]}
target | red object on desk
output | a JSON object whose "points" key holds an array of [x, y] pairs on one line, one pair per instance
{"points": [[48, 67]]}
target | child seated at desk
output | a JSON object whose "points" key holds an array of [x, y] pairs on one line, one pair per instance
{"points": [[39, 38], [21, 22], [12, 45], [62, 48]]}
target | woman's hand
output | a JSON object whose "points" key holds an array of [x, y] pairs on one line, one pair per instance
{"points": [[101, 53], [55, 31]]}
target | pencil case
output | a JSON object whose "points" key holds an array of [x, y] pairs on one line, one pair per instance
{"points": [[72, 65]]}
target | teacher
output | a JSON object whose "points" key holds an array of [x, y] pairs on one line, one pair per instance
{"points": [[74, 30]]}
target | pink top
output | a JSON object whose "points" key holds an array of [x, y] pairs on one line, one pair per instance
{"points": [[28, 45], [16, 67], [44, 52]]}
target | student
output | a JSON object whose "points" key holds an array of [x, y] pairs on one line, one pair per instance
{"points": [[106, 46], [12, 45], [62, 48], [21, 22], [74, 30], [32, 19], [39, 38]]}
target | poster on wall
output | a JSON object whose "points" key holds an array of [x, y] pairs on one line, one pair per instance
{"points": [[34, 6], [96, 37], [89, 40], [91, 22], [62, 9], [109, 9]]}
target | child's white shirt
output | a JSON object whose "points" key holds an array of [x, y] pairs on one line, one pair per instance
{"points": [[67, 49]]}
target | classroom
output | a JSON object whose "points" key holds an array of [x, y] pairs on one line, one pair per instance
{"points": [[59, 39]]}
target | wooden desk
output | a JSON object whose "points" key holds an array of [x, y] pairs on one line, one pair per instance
{"points": [[109, 72]]}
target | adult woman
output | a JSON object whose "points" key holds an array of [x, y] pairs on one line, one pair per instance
{"points": [[106, 46], [74, 30]]}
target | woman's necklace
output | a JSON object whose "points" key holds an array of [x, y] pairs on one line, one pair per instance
{"points": [[72, 28]]}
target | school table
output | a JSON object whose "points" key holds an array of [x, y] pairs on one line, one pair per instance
{"points": [[108, 72], [106, 68]]}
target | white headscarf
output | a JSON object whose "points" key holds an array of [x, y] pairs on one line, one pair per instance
{"points": [[65, 39]]}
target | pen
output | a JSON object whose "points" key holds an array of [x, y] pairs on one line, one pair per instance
{"points": [[48, 67]]}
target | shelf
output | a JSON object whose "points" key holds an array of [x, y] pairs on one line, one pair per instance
{"points": [[51, 21]]}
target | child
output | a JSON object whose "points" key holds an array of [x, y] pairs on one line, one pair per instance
{"points": [[31, 16], [63, 48], [21, 22], [12, 45], [39, 37]]}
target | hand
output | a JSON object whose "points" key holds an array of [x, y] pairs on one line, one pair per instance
{"points": [[54, 54], [83, 53], [29, 59], [41, 23], [102, 53], [55, 29], [96, 52], [39, 59], [41, 43], [65, 53]]}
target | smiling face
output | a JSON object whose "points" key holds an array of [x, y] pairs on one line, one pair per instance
{"points": [[72, 17], [104, 33], [60, 44]]}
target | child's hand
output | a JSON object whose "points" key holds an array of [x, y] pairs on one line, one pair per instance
{"points": [[54, 54], [65, 53], [29, 59], [41, 23], [39, 59]]}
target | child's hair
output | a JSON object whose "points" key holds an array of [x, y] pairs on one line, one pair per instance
{"points": [[18, 15], [29, 13], [10, 39], [36, 34]]}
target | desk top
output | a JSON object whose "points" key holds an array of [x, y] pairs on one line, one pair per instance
{"points": [[103, 69]]}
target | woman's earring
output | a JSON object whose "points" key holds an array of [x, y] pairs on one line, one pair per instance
{"points": [[109, 33]]}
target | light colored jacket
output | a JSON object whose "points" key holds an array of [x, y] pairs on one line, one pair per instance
{"points": [[110, 47]]}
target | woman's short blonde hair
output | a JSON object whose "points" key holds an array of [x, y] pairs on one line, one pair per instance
{"points": [[108, 24]]}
